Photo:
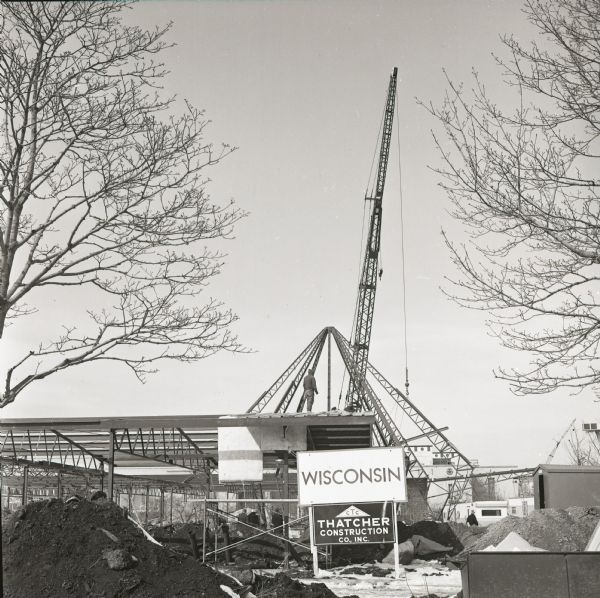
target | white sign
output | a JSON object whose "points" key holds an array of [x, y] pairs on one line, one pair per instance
{"points": [[355, 475]]}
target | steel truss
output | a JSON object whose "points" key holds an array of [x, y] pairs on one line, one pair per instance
{"points": [[375, 389], [84, 456]]}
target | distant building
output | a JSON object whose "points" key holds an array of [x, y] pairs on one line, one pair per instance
{"points": [[490, 511]]}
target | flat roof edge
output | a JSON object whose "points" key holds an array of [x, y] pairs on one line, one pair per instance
{"points": [[335, 418]]}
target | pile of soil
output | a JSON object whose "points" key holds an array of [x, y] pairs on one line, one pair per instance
{"points": [[558, 530], [466, 534], [85, 549]]}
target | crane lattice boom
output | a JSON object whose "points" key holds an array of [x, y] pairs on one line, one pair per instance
{"points": [[368, 280]]}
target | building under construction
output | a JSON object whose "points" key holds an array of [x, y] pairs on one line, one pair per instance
{"points": [[196, 456]]}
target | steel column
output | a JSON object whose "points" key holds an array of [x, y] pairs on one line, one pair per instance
{"points": [[286, 495], [328, 370], [111, 464], [25, 485]]}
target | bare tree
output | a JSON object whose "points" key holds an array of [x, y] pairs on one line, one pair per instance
{"points": [[102, 186], [583, 450], [524, 181]]}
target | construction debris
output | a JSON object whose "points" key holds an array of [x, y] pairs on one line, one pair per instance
{"points": [[283, 586]]}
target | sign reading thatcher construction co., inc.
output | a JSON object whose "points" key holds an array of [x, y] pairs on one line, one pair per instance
{"points": [[349, 476], [360, 523]]}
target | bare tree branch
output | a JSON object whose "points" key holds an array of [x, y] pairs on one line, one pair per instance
{"points": [[102, 185], [525, 185]]}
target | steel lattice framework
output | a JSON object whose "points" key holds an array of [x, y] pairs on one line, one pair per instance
{"points": [[378, 395]]}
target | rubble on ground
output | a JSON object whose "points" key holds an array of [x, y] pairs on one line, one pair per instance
{"points": [[85, 549], [441, 533], [283, 586], [421, 578], [178, 537], [357, 554], [556, 530]]}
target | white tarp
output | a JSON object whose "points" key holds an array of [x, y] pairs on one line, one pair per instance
{"points": [[594, 543]]}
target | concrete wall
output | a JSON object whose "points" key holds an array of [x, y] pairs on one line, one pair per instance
{"points": [[241, 449], [416, 509]]}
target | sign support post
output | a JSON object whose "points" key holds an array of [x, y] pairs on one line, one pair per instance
{"points": [[396, 550], [313, 548]]}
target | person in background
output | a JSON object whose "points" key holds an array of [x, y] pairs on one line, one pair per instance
{"points": [[277, 520], [253, 519], [472, 520], [310, 388]]}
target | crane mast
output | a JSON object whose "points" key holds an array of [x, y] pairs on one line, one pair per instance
{"points": [[368, 281]]}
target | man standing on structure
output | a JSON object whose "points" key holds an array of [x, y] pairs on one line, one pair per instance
{"points": [[310, 388]]}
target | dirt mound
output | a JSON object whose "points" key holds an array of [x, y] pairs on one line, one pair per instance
{"points": [[559, 530], [467, 535], [83, 549]]}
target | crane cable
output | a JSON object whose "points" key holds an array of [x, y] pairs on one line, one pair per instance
{"points": [[371, 182], [403, 258]]}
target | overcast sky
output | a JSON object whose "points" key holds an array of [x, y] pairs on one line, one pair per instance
{"points": [[299, 87]]}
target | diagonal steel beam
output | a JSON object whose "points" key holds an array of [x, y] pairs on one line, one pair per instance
{"points": [[461, 464], [266, 396], [390, 434]]}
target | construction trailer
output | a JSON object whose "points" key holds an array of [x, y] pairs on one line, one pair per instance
{"points": [[531, 575], [561, 486], [491, 511]]}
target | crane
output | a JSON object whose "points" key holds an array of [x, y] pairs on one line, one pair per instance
{"points": [[363, 318], [354, 351], [553, 451]]}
